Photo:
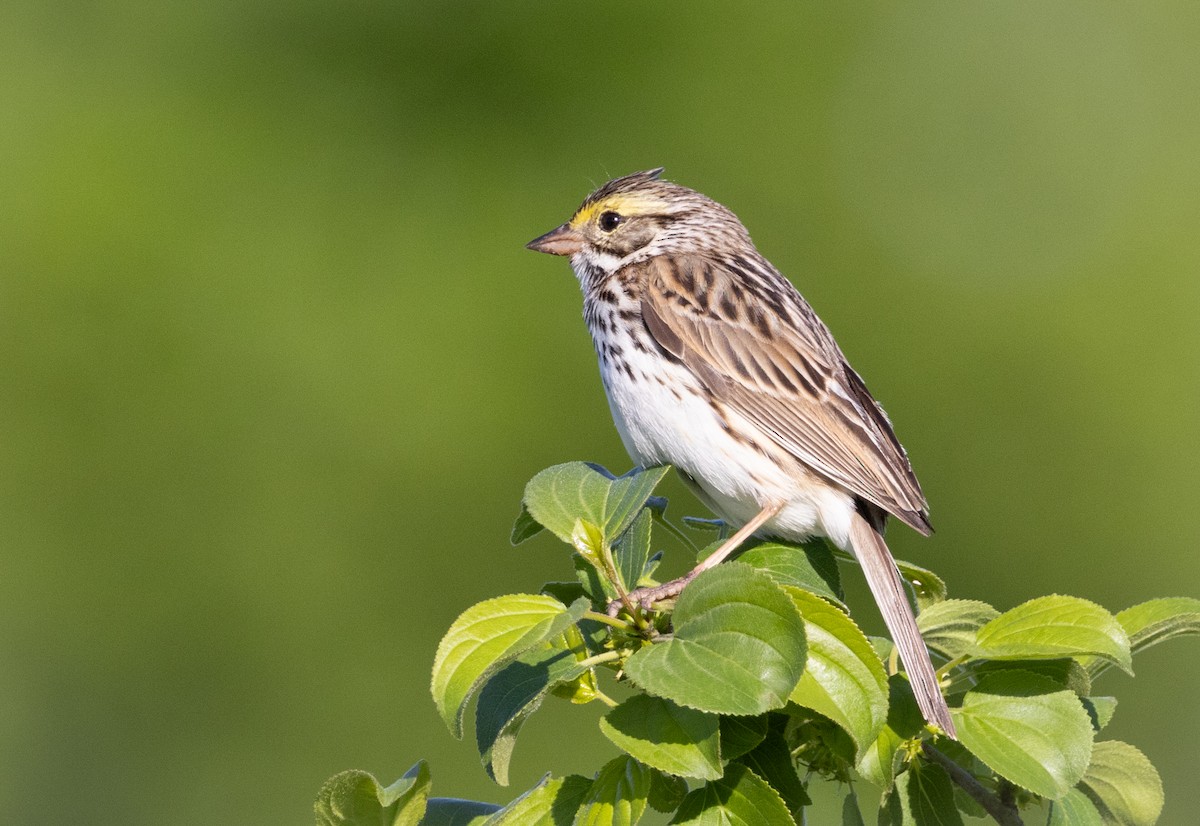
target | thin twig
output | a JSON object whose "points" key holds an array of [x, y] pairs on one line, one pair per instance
{"points": [[950, 666], [604, 698], [610, 572], [675, 532], [603, 657], [1004, 814], [596, 616]]}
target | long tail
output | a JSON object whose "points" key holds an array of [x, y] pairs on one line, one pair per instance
{"points": [[888, 590]]}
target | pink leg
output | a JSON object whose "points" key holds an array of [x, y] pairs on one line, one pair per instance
{"points": [[645, 597]]}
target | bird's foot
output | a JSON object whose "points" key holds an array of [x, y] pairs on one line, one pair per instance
{"points": [[644, 598]]}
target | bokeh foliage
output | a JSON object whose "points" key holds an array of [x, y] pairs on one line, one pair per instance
{"points": [[275, 366]]}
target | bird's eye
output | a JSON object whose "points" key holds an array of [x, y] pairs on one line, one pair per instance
{"points": [[609, 221]]}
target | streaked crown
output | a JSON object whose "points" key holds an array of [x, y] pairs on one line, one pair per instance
{"points": [[640, 216]]}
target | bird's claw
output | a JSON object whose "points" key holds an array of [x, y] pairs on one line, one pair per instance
{"points": [[644, 598]]}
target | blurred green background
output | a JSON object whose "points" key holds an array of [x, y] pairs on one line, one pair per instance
{"points": [[274, 365]]}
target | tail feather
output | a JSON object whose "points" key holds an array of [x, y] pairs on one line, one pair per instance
{"points": [[888, 590]]}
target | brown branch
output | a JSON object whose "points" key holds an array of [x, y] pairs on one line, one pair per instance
{"points": [[1005, 814], [1008, 793]]}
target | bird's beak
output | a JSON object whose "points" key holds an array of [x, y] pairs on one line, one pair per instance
{"points": [[563, 240]]}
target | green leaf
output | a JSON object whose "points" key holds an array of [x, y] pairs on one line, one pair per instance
{"points": [[524, 527], [651, 567], [1153, 622], [844, 679], [448, 811], [838, 747], [1123, 784], [628, 495], [924, 796], [930, 796], [595, 585], [594, 634], [740, 797], [667, 736], [950, 627], [1028, 729], [617, 796], [883, 758], [632, 551], [513, 694], [355, 798], [810, 566], [588, 540], [564, 592], [701, 524], [883, 647], [580, 688], [1068, 673], [560, 496], [772, 761], [1053, 627], [666, 791], [552, 802], [928, 588], [1100, 709], [1074, 810], [741, 734], [738, 646], [485, 638], [968, 805]]}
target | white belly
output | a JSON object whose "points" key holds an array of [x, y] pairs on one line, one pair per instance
{"points": [[734, 478]]}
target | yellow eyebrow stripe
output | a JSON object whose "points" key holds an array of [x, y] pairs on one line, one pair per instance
{"points": [[624, 204]]}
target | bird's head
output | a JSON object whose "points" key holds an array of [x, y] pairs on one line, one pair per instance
{"points": [[637, 217]]}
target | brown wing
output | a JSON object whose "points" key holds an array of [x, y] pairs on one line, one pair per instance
{"points": [[750, 337]]}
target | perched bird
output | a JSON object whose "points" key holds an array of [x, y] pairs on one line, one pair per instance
{"points": [[714, 363]]}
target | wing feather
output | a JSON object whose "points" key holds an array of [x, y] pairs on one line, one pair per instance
{"points": [[752, 339]]}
